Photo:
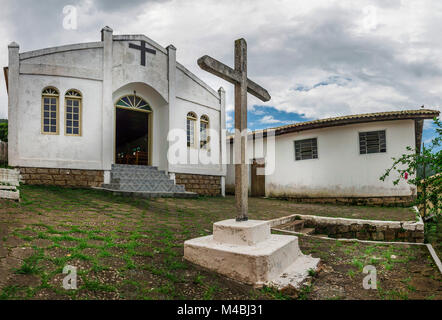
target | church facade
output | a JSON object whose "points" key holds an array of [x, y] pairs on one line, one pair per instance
{"points": [[78, 110]]}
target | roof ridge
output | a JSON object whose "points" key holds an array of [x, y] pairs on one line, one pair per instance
{"points": [[355, 118]]}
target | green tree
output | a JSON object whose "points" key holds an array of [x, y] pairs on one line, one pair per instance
{"points": [[4, 131], [414, 164]]}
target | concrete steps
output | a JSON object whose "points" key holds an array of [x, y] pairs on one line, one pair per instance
{"points": [[144, 181]]}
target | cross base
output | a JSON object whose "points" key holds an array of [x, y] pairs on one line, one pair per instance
{"points": [[247, 252]]}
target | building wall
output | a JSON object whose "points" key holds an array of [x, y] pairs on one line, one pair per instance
{"points": [[339, 171], [62, 177], [201, 184], [58, 151], [104, 71]]}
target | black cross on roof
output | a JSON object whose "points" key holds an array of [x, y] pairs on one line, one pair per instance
{"points": [[143, 50]]}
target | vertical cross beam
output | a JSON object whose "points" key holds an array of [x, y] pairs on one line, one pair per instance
{"points": [[241, 167], [238, 77]]}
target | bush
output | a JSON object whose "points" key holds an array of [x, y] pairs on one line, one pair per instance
{"points": [[4, 131], [413, 163]]}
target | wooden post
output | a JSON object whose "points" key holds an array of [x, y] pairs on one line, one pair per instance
{"points": [[240, 143], [238, 77]]}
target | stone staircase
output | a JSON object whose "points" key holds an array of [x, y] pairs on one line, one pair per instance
{"points": [[296, 226], [144, 181]]}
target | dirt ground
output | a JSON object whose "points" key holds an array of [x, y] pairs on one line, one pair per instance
{"points": [[132, 249]]}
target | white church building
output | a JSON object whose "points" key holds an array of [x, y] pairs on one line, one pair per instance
{"points": [[91, 114], [334, 160]]}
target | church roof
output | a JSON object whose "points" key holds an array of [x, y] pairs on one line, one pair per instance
{"points": [[419, 114]]}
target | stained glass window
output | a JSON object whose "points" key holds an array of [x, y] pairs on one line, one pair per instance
{"points": [[50, 98]]}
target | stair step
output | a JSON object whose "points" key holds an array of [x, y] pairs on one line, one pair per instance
{"points": [[141, 179], [295, 225], [307, 231]]}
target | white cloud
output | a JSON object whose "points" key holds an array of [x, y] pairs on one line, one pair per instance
{"points": [[394, 64]]}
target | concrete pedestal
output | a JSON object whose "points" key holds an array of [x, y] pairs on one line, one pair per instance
{"points": [[249, 253]]}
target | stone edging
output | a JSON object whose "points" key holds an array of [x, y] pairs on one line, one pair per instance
{"points": [[377, 230]]}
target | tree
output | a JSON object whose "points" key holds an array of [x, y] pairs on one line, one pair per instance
{"points": [[414, 166], [4, 131]]}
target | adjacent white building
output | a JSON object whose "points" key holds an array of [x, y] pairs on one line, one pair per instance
{"points": [[78, 109], [334, 160]]}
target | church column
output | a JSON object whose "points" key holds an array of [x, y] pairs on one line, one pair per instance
{"points": [[13, 102], [223, 139], [108, 112], [171, 75]]}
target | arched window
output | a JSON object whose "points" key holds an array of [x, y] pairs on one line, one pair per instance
{"points": [[49, 110], [191, 122], [204, 132], [73, 113]]}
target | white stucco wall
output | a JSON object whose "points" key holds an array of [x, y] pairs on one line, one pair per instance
{"points": [[339, 170], [105, 71]]}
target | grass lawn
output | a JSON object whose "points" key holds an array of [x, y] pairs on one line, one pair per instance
{"points": [[132, 249]]}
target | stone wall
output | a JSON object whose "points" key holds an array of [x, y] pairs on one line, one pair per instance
{"points": [[62, 177], [405, 201], [200, 184], [402, 231]]}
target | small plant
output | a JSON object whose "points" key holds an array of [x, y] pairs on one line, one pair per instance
{"points": [[312, 272], [198, 279]]}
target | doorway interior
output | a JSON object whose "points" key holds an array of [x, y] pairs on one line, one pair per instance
{"points": [[133, 136]]}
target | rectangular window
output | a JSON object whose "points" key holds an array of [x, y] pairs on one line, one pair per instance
{"points": [[190, 132], [73, 114], [372, 142], [50, 114], [306, 149]]}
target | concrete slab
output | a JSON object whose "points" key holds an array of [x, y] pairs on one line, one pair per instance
{"points": [[276, 261], [12, 195], [246, 233]]}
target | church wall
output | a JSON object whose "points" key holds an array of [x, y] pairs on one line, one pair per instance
{"points": [[58, 151], [340, 171], [62, 177], [159, 122], [199, 162], [201, 184], [190, 89], [84, 58], [127, 67]]}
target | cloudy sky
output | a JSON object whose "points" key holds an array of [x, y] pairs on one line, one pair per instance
{"points": [[316, 58]]}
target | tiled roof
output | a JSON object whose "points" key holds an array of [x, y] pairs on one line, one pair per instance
{"points": [[351, 119]]}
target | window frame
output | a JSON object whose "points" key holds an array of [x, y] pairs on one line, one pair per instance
{"points": [[205, 119], [78, 98], [57, 110], [192, 117], [304, 139], [366, 153]]}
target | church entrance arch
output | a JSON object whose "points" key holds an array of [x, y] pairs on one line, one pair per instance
{"points": [[133, 131]]}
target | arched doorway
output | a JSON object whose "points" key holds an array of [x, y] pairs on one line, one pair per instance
{"points": [[133, 131]]}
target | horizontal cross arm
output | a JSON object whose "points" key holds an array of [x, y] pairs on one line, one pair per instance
{"points": [[225, 72], [219, 69], [257, 91]]}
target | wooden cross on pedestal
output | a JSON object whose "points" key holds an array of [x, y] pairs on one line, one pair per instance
{"points": [[238, 77], [143, 50]]}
